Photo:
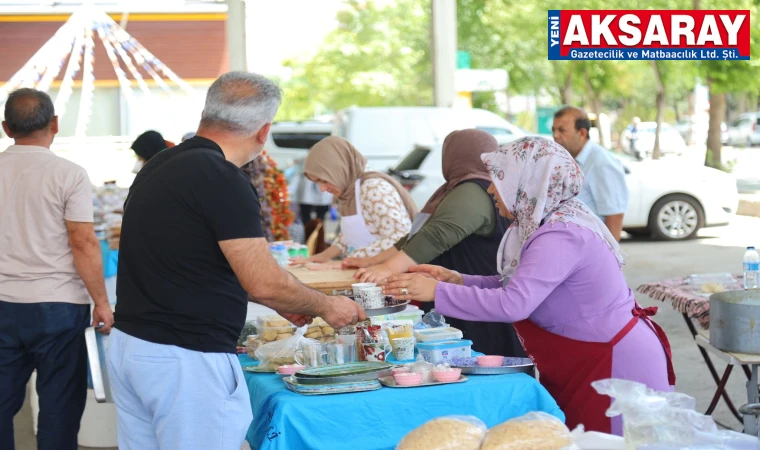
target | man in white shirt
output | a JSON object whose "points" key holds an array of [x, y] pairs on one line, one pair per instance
{"points": [[50, 267], [605, 191]]}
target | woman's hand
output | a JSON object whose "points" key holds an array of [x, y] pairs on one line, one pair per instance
{"points": [[320, 258], [438, 273], [375, 274], [409, 286], [357, 263]]}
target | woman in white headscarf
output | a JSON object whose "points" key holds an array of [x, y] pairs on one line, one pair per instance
{"points": [[561, 284]]}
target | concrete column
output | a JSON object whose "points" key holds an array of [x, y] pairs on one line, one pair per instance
{"points": [[444, 50], [236, 50]]}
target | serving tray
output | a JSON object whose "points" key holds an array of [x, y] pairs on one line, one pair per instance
{"points": [[343, 388], [470, 366]]}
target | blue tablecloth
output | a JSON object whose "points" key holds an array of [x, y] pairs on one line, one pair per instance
{"points": [[379, 419], [110, 259]]}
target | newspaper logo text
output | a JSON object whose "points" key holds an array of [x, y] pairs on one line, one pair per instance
{"points": [[682, 30]]}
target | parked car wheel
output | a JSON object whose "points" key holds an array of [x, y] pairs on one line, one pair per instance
{"points": [[676, 217]]}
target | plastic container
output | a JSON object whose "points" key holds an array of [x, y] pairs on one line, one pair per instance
{"points": [[280, 254], [444, 351], [751, 269], [710, 278], [438, 334]]}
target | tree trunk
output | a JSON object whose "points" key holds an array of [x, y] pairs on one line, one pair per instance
{"points": [[660, 108], [717, 114], [594, 99], [692, 113], [676, 111], [567, 89], [509, 105]]}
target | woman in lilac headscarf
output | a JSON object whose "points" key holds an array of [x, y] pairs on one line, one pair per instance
{"points": [[561, 285]]}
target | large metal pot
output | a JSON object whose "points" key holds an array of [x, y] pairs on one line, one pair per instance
{"points": [[735, 321]]}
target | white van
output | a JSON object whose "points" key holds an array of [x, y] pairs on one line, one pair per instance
{"points": [[289, 142], [386, 134]]}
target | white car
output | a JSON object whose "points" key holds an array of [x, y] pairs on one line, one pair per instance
{"points": [[672, 201], [667, 199], [385, 134], [745, 131], [670, 140], [699, 129]]}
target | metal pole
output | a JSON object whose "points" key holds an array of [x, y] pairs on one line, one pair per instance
{"points": [[444, 51], [236, 49]]}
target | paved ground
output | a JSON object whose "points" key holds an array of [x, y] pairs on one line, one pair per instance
{"points": [[717, 250]]}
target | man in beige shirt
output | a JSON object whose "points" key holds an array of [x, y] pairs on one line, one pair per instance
{"points": [[50, 267]]}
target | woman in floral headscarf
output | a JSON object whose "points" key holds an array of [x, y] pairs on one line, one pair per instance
{"points": [[561, 285]]}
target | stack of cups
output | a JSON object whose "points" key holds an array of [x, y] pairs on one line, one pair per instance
{"points": [[368, 295]]}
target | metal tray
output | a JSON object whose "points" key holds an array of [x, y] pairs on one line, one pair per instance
{"points": [[342, 388], [391, 307], [391, 382], [340, 379], [354, 368], [511, 365]]}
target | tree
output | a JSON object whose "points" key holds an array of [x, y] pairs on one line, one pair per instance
{"points": [[660, 104], [379, 55], [726, 77]]}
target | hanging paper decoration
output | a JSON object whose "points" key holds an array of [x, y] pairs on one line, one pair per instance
{"points": [[74, 42], [272, 187], [88, 85], [126, 86], [32, 71], [67, 85]]}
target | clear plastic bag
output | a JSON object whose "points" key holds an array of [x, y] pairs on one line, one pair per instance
{"points": [[663, 418], [446, 433], [279, 353], [434, 320], [722, 440], [533, 431]]}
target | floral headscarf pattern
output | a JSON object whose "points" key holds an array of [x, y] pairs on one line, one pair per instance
{"points": [[538, 181]]}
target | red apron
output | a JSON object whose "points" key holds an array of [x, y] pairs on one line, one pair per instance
{"points": [[567, 368]]}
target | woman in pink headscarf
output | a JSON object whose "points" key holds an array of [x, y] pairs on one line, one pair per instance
{"points": [[561, 284]]}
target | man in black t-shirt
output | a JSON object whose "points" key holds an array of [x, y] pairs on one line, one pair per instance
{"points": [[192, 253]]}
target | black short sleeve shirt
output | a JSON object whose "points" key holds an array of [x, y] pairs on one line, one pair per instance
{"points": [[174, 284]]}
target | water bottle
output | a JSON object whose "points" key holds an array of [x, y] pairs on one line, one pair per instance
{"points": [[280, 254], [751, 268]]}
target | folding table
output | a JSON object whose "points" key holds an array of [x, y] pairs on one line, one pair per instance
{"points": [[694, 305]]}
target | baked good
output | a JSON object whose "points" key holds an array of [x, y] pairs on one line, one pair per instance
{"points": [[269, 334], [446, 433], [531, 432], [713, 288], [315, 335]]}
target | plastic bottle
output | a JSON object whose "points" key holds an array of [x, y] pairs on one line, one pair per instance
{"points": [[280, 254], [751, 268]]}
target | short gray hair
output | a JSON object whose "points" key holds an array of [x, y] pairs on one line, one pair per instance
{"points": [[241, 102]]}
